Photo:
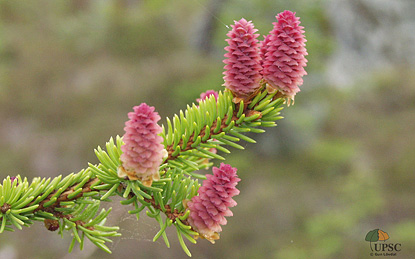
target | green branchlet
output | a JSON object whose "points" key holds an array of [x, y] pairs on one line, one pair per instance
{"points": [[192, 139]]}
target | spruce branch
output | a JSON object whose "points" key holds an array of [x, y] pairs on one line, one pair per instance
{"points": [[60, 203]]}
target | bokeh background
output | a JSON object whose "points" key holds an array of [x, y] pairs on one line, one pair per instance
{"points": [[340, 164]]}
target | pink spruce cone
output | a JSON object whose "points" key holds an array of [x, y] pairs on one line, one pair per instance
{"points": [[284, 59], [142, 151], [209, 208], [242, 69], [207, 94]]}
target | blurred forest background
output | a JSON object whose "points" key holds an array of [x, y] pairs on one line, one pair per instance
{"points": [[340, 164]]}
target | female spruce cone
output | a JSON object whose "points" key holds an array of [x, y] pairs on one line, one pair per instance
{"points": [[142, 151], [207, 94], [242, 69], [208, 210], [284, 61]]}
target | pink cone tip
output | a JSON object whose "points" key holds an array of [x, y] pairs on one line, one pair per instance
{"points": [[207, 94]]}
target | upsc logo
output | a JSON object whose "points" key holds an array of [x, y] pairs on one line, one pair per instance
{"points": [[381, 248]]}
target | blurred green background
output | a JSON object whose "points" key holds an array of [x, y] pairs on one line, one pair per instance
{"points": [[340, 164]]}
